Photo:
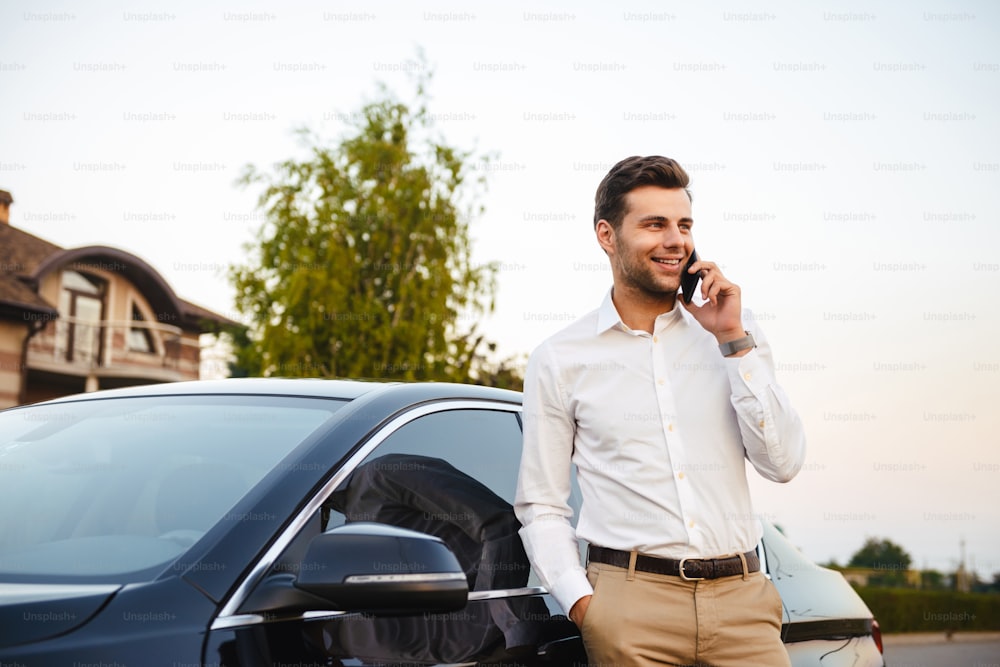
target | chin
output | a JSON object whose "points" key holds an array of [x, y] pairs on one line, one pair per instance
{"points": [[660, 292]]}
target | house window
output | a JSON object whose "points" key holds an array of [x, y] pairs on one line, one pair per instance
{"points": [[81, 315], [140, 339]]}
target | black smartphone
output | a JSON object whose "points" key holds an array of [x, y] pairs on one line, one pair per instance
{"points": [[689, 281]]}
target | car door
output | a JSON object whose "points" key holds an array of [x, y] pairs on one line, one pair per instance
{"points": [[448, 469]]}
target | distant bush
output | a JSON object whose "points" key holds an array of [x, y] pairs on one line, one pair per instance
{"points": [[908, 610]]}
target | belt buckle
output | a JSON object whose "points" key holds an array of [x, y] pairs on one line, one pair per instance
{"points": [[680, 571]]}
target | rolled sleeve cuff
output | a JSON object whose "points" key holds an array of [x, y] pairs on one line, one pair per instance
{"points": [[570, 587], [749, 375], [552, 548]]}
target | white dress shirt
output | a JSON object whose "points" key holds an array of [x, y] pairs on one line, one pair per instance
{"points": [[659, 426]]}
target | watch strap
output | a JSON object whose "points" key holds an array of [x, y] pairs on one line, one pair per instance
{"points": [[738, 345]]}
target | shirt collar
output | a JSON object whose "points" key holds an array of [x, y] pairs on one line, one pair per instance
{"points": [[608, 317]]}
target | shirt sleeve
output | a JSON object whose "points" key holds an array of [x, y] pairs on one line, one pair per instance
{"points": [[543, 487], [772, 432]]}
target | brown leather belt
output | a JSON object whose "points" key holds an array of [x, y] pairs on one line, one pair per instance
{"points": [[690, 569]]}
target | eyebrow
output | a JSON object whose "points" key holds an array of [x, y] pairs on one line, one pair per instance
{"points": [[663, 218]]}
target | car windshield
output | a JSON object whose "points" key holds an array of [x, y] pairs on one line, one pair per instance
{"points": [[108, 488]]}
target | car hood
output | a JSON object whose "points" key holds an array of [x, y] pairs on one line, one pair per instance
{"points": [[32, 612]]}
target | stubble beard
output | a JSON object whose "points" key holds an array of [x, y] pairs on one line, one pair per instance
{"points": [[640, 278]]}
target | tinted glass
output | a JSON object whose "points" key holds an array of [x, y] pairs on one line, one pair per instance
{"points": [[110, 488], [452, 474], [483, 444]]}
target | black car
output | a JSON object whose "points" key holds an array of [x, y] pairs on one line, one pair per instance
{"points": [[302, 522]]}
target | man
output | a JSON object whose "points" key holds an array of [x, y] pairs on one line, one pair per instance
{"points": [[658, 403]]}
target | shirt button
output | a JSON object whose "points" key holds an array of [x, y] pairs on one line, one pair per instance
{"points": [[747, 376], [656, 339], [680, 475], [690, 524], [670, 427], [761, 424], [660, 382]]}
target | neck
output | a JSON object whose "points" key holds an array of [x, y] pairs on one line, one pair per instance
{"points": [[639, 309]]}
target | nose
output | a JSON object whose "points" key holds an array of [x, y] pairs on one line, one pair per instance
{"points": [[672, 237]]}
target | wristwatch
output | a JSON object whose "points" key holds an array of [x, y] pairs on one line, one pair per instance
{"points": [[734, 346]]}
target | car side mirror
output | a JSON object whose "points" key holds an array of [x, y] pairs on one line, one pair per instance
{"points": [[372, 568]]}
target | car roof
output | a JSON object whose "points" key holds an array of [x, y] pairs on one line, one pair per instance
{"points": [[308, 387]]}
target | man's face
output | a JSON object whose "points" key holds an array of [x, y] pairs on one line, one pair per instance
{"points": [[648, 252]]}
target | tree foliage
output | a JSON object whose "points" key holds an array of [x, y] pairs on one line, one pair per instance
{"points": [[881, 553], [363, 267], [889, 560]]}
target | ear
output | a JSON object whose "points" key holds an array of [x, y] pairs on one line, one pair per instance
{"points": [[605, 236]]}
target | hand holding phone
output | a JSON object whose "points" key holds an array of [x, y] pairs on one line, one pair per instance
{"points": [[689, 281]]}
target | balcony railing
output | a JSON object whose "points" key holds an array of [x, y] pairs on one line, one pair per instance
{"points": [[79, 346]]}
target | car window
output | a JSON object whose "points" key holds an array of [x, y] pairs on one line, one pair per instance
{"points": [[452, 474], [484, 444]]}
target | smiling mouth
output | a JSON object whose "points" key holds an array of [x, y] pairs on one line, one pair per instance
{"points": [[667, 262]]}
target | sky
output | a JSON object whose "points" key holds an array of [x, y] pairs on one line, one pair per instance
{"points": [[844, 157]]}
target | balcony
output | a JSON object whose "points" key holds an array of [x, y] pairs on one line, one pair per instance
{"points": [[131, 352]]}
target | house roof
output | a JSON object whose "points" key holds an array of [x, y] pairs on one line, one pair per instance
{"points": [[20, 253], [26, 259]]}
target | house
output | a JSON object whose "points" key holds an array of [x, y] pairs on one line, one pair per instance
{"points": [[82, 319]]}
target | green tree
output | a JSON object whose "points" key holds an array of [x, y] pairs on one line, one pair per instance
{"points": [[363, 266], [888, 559], [932, 580]]}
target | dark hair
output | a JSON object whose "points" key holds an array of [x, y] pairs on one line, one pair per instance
{"points": [[629, 174]]}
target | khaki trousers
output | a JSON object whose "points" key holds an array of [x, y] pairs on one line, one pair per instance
{"points": [[655, 619]]}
